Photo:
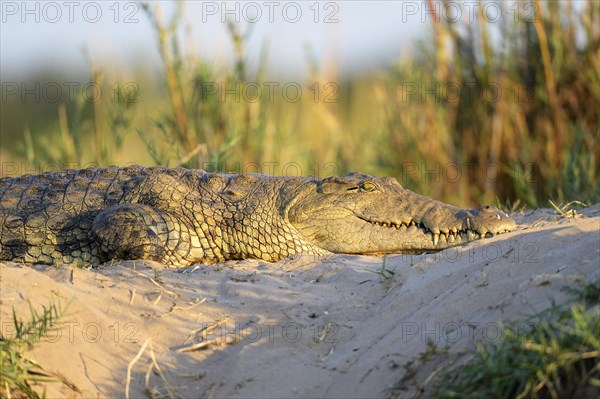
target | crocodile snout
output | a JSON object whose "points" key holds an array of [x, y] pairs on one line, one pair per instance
{"points": [[489, 219]]}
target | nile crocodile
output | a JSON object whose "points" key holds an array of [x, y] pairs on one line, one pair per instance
{"points": [[182, 216]]}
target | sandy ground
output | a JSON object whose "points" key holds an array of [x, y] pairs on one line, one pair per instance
{"points": [[302, 328]]}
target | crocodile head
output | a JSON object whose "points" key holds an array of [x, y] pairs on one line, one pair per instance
{"points": [[366, 214]]}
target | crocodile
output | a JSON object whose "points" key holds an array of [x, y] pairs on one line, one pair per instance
{"points": [[180, 217]]}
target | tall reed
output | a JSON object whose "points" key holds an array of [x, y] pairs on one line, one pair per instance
{"points": [[485, 110]]}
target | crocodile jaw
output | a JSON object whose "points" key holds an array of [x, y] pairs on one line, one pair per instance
{"points": [[353, 234], [416, 237], [387, 220]]}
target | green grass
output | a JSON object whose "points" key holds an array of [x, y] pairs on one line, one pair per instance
{"points": [[18, 373], [558, 356], [384, 273]]}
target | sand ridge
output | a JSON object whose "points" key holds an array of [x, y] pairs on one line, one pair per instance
{"points": [[303, 327]]}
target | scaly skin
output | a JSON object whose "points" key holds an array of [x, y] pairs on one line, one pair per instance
{"points": [[181, 216]]}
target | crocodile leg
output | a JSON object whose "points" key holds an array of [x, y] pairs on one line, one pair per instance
{"points": [[134, 231]]}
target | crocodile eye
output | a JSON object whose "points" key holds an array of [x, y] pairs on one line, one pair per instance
{"points": [[368, 186], [352, 189]]}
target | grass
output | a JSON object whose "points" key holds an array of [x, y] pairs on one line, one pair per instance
{"points": [[534, 130], [567, 210], [557, 357], [18, 373], [538, 138], [412, 368], [384, 273]]}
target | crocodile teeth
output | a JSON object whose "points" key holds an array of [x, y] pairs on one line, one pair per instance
{"points": [[436, 239]]}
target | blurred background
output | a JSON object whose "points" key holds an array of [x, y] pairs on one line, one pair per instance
{"points": [[465, 101]]}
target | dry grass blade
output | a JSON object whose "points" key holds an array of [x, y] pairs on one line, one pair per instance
{"points": [[154, 365], [163, 289], [206, 344], [206, 329], [564, 210], [131, 364], [176, 307], [152, 391]]}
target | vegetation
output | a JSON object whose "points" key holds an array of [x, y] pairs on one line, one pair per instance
{"points": [[488, 109], [384, 273], [18, 373], [557, 356]]}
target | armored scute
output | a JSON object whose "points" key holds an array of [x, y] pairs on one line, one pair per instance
{"points": [[182, 216]]}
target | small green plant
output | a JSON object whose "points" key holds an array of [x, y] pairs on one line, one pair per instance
{"points": [[383, 272], [557, 357], [590, 294], [18, 373]]}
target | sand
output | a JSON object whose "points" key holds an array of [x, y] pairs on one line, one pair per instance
{"points": [[338, 327]]}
